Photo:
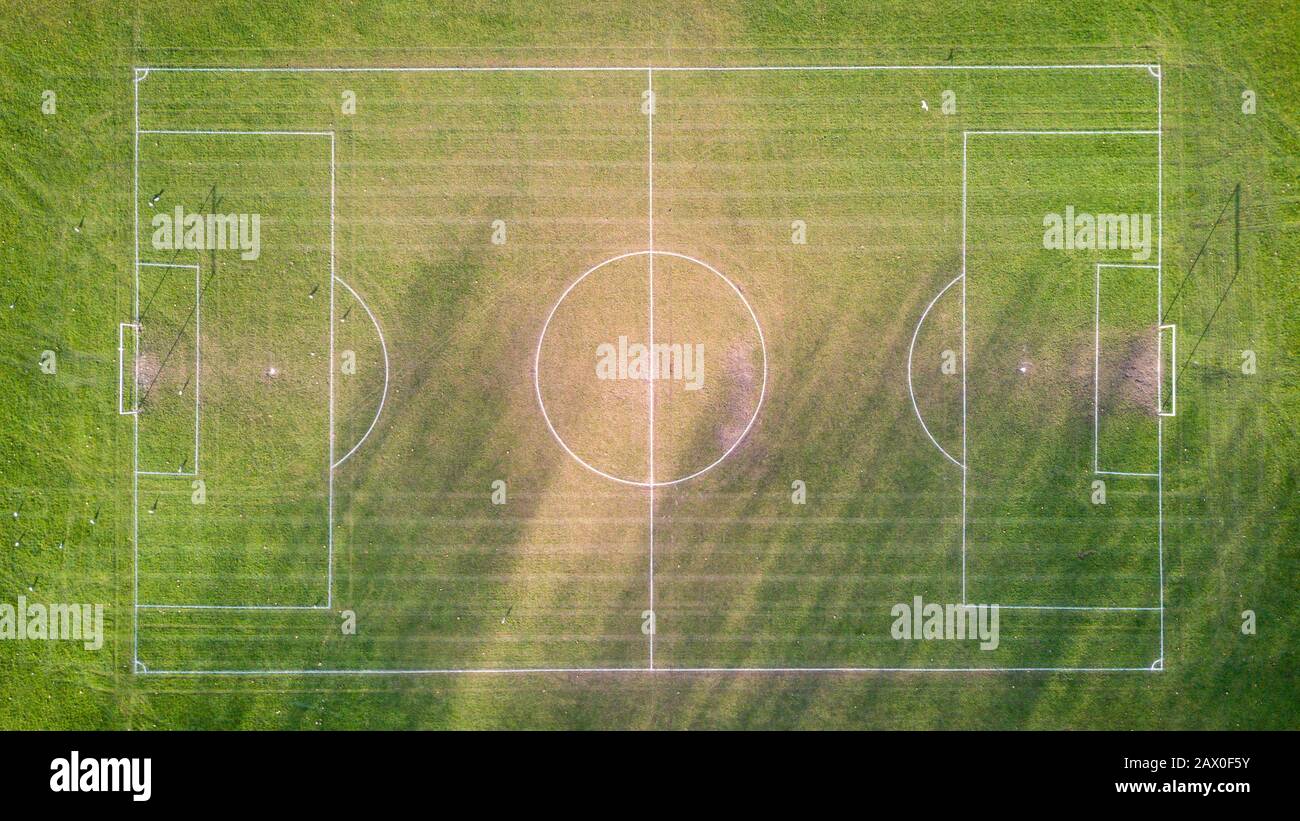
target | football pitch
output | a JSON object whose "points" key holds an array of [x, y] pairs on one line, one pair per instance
{"points": [[746, 385], [602, 516]]}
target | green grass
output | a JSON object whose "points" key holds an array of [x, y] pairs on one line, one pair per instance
{"points": [[439, 577]]}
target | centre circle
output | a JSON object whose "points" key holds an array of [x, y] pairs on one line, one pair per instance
{"points": [[651, 368]]}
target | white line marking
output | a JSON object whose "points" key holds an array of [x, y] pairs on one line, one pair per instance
{"points": [[644, 670], [384, 348], [1068, 133], [330, 464], [137, 75], [500, 69], [1159, 475], [910, 350], [1096, 365], [1154, 69], [329, 561], [965, 456], [537, 361], [220, 132], [198, 361], [1160, 272], [1090, 608], [1096, 369], [233, 606], [650, 212]]}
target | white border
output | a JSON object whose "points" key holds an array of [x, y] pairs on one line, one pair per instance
{"points": [[661, 670], [650, 483], [383, 347], [650, 383], [1096, 369], [140, 73], [911, 349], [1158, 664], [137, 606], [198, 362], [1153, 68]]}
